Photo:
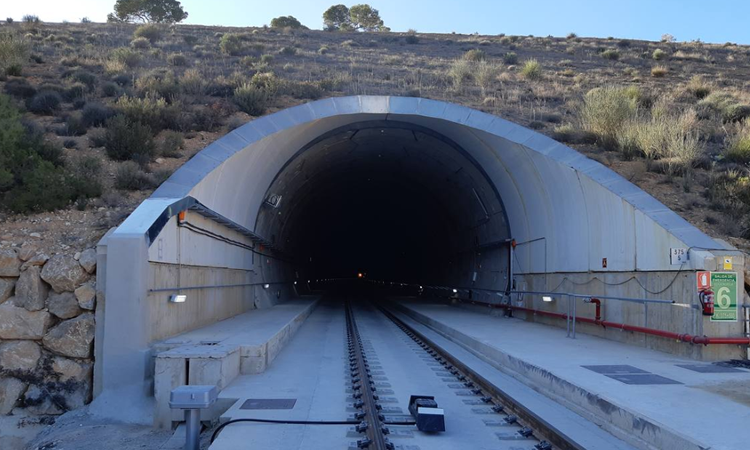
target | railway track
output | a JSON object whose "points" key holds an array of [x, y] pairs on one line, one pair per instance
{"points": [[508, 425], [385, 362]]}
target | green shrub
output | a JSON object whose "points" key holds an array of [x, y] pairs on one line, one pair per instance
{"points": [[126, 139], [738, 150], [191, 82], [266, 59], [172, 142], [510, 58], [475, 55], [19, 88], [231, 44], [158, 84], [411, 39], [31, 174], [126, 57], [150, 31], [140, 43], [531, 70], [176, 59], [611, 54], [85, 178], [95, 114], [130, 177], [306, 90], [75, 91], [45, 102], [659, 54], [110, 89], [726, 106], [73, 126], [16, 70], [251, 99], [157, 114], [87, 78], [14, 52]]}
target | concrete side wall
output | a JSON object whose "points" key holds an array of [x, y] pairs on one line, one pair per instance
{"points": [[203, 306]]}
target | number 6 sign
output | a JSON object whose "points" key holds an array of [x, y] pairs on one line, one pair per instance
{"points": [[724, 284]]}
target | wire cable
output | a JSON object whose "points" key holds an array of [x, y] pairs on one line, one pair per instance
{"points": [[297, 422]]}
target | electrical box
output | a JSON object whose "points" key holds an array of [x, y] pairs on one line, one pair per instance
{"points": [[193, 397], [426, 413]]}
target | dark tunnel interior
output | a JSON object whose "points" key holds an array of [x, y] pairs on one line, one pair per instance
{"points": [[392, 201]]}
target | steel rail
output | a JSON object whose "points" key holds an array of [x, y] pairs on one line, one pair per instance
{"points": [[527, 417], [373, 424]]}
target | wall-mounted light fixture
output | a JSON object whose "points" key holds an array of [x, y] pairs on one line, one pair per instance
{"points": [[177, 298], [548, 299], [266, 286]]}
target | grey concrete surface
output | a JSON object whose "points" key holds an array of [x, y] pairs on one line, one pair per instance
{"points": [[311, 370], [706, 410], [217, 354], [566, 211]]}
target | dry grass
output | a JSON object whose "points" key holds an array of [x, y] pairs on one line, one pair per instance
{"points": [[706, 85]]}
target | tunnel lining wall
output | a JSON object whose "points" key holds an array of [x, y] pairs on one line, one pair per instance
{"points": [[533, 174]]}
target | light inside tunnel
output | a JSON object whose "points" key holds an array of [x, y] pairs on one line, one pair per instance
{"points": [[396, 200]]}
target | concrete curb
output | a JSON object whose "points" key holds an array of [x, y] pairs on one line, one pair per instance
{"points": [[620, 421], [215, 365]]}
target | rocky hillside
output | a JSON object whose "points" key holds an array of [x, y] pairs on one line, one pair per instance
{"points": [[108, 111]]}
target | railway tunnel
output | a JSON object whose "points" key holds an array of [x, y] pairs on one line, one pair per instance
{"points": [[404, 189]]}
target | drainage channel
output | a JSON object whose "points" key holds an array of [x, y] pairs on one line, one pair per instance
{"points": [[516, 421]]}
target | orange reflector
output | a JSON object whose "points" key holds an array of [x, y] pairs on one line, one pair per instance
{"points": [[181, 216]]}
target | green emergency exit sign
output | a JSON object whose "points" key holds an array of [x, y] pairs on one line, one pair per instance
{"points": [[724, 285]]}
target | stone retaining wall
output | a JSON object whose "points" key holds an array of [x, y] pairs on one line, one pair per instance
{"points": [[46, 330]]}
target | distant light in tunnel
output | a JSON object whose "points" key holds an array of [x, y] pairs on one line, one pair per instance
{"points": [[266, 286], [455, 291], [359, 275]]}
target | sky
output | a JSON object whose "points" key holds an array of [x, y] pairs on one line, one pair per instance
{"points": [[715, 21]]}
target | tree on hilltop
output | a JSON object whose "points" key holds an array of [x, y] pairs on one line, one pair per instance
{"points": [[287, 22], [159, 11], [359, 17], [336, 18]]}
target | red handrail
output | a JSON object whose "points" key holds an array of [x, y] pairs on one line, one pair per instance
{"points": [[705, 340]]}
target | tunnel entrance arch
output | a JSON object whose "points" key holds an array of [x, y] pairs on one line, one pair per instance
{"points": [[235, 224]]}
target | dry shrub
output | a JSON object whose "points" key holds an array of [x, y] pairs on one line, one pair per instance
{"points": [[14, 52], [486, 74], [604, 112], [738, 148], [460, 72], [192, 83], [532, 70], [659, 71]]}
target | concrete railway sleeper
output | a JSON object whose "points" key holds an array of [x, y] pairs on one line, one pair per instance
{"points": [[528, 423], [386, 362]]}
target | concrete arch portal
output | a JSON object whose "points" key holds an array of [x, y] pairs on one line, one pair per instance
{"points": [[406, 189]]}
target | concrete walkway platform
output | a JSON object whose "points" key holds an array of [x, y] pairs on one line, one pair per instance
{"points": [[650, 399], [219, 353], [310, 374]]}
